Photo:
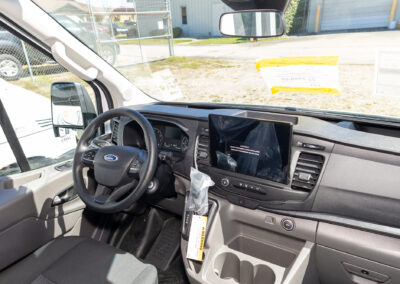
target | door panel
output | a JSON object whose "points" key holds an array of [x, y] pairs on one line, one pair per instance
{"points": [[18, 180], [27, 217]]}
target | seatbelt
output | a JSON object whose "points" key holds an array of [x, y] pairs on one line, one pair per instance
{"points": [[12, 139]]}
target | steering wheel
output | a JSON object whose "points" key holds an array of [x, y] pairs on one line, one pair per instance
{"points": [[122, 173]]}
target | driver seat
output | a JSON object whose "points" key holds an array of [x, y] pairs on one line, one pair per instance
{"points": [[79, 260]]}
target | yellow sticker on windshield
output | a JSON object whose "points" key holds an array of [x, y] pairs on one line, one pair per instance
{"points": [[309, 74]]}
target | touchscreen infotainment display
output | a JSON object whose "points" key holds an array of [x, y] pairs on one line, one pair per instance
{"points": [[251, 147]]}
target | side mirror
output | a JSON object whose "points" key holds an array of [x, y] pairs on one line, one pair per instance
{"points": [[71, 106], [253, 24]]}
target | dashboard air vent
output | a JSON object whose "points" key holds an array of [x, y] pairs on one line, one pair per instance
{"points": [[202, 148], [307, 172], [114, 137]]}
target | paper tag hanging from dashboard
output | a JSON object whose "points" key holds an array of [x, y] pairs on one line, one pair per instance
{"points": [[196, 237]]}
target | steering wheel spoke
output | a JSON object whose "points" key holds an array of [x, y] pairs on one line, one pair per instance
{"points": [[105, 195], [135, 167], [102, 194], [122, 190], [88, 157], [138, 164]]}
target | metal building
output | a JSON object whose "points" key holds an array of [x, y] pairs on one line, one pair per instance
{"points": [[153, 17], [198, 18], [334, 15]]}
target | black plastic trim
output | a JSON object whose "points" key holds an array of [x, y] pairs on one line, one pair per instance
{"points": [[106, 94], [99, 105], [12, 139]]}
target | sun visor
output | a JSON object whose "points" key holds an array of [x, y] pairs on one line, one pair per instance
{"points": [[257, 4]]}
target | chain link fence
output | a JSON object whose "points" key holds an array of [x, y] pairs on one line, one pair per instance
{"points": [[123, 34], [20, 60], [136, 32]]}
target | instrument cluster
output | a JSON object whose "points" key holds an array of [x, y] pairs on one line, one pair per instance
{"points": [[169, 136]]}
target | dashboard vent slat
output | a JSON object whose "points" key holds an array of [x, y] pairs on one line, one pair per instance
{"points": [[114, 137], [202, 149], [307, 172]]}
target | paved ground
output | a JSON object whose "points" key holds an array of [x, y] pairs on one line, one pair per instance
{"points": [[235, 79], [352, 48]]}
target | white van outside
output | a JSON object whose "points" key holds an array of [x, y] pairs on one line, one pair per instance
{"points": [[33, 131]]}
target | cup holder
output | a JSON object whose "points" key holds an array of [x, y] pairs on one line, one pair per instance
{"points": [[228, 266]]}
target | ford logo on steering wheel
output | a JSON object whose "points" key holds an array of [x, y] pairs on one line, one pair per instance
{"points": [[110, 158]]}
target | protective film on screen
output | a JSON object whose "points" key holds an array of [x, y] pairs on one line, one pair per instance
{"points": [[251, 147]]}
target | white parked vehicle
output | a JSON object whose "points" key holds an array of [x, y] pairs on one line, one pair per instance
{"points": [[32, 132]]}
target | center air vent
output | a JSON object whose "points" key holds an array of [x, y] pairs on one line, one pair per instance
{"points": [[307, 172], [202, 149], [114, 137]]}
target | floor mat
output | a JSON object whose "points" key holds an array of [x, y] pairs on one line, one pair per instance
{"points": [[131, 241], [176, 274], [154, 238], [166, 246], [142, 233]]}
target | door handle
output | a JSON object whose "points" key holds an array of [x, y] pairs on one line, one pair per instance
{"points": [[65, 196]]}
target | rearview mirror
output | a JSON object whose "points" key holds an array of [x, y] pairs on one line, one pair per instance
{"points": [[71, 106], [253, 23]]}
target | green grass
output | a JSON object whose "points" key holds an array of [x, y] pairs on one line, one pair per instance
{"points": [[232, 40], [220, 40], [273, 38], [178, 41], [154, 41], [42, 82], [216, 40], [180, 62]]}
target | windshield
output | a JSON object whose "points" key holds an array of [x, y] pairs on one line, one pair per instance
{"points": [[336, 55]]}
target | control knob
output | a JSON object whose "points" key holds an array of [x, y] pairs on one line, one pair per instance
{"points": [[225, 182]]}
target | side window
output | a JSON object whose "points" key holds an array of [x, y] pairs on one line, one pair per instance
{"points": [[184, 15], [26, 77]]}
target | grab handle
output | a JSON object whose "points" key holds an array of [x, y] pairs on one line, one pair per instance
{"points": [[58, 51]]}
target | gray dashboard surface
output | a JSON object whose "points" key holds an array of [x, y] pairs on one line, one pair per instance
{"points": [[361, 184], [193, 113], [362, 176], [307, 126]]}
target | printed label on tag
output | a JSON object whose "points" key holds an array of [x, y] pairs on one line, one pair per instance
{"points": [[196, 237], [309, 74]]}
